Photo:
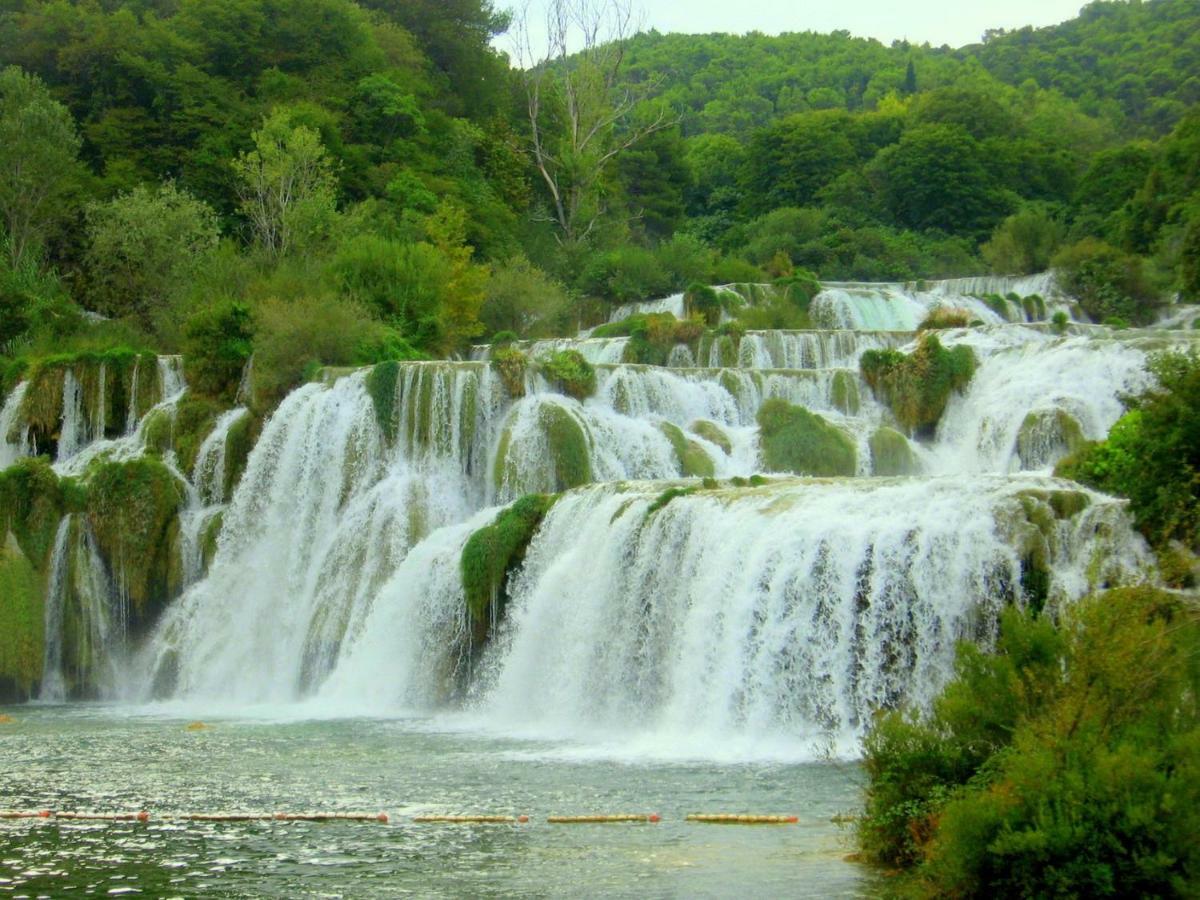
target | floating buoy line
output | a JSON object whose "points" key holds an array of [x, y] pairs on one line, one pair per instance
{"points": [[383, 818]]}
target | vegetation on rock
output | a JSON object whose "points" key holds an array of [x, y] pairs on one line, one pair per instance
{"points": [[918, 386], [493, 552], [796, 440]]}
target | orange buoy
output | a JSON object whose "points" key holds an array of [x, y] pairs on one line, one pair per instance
{"points": [[382, 817], [143, 816], [44, 814], [523, 819]]}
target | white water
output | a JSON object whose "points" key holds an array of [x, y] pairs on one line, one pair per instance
{"points": [[80, 591], [733, 623], [11, 450]]}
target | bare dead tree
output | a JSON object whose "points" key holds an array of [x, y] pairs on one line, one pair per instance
{"points": [[580, 115]]}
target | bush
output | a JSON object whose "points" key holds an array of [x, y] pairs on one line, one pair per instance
{"points": [[510, 364], [218, 341], [1067, 763], [522, 299], [944, 317], [570, 372], [1024, 243], [917, 387], [1107, 282], [1152, 454], [703, 300], [291, 339]]}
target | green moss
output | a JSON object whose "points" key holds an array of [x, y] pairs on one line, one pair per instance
{"points": [[158, 431], [493, 552], [712, 433], [1046, 436], [891, 454], [666, 497], [131, 508], [918, 386], [510, 364], [194, 420], [569, 372], [569, 450], [998, 305], [209, 538], [239, 441], [21, 623], [757, 480], [845, 393], [381, 385], [32, 501], [796, 440], [693, 461]]}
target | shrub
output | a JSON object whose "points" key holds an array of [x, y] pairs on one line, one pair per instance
{"points": [[917, 387], [510, 364], [1067, 763], [218, 342], [944, 317], [1152, 454], [520, 298], [570, 372], [1107, 282], [702, 300]]}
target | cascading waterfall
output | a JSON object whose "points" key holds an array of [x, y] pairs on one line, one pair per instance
{"points": [[787, 612], [86, 618]]}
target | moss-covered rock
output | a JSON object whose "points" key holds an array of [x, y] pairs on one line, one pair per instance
{"points": [[795, 440], [565, 461], [21, 623], [918, 386], [1046, 436], [569, 447], [493, 552], [33, 499], [131, 507], [713, 433], [158, 431], [194, 420], [569, 372], [381, 385], [891, 454], [845, 393], [239, 441], [693, 461]]}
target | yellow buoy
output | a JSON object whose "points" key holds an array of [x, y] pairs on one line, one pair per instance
{"points": [[198, 726], [6, 720]]}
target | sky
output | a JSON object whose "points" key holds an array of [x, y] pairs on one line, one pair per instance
{"points": [[919, 21]]}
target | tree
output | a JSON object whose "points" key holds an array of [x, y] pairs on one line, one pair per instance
{"points": [[580, 115], [286, 184], [38, 165], [142, 244], [1024, 242]]}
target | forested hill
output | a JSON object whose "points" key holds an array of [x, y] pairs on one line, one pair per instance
{"points": [[339, 182], [1134, 65]]}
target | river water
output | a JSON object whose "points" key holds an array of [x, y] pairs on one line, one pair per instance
{"points": [[124, 759]]}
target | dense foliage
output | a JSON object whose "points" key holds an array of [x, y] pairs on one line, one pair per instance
{"points": [[1065, 764], [354, 176]]}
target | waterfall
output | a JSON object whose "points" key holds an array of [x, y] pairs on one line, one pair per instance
{"points": [[787, 614], [13, 449], [654, 608], [86, 619]]}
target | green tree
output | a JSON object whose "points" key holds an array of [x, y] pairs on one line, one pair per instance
{"points": [[580, 118], [936, 178], [1024, 242], [287, 186], [39, 171], [142, 244]]}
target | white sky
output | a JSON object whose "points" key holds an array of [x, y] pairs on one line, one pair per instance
{"points": [[937, 22]]}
